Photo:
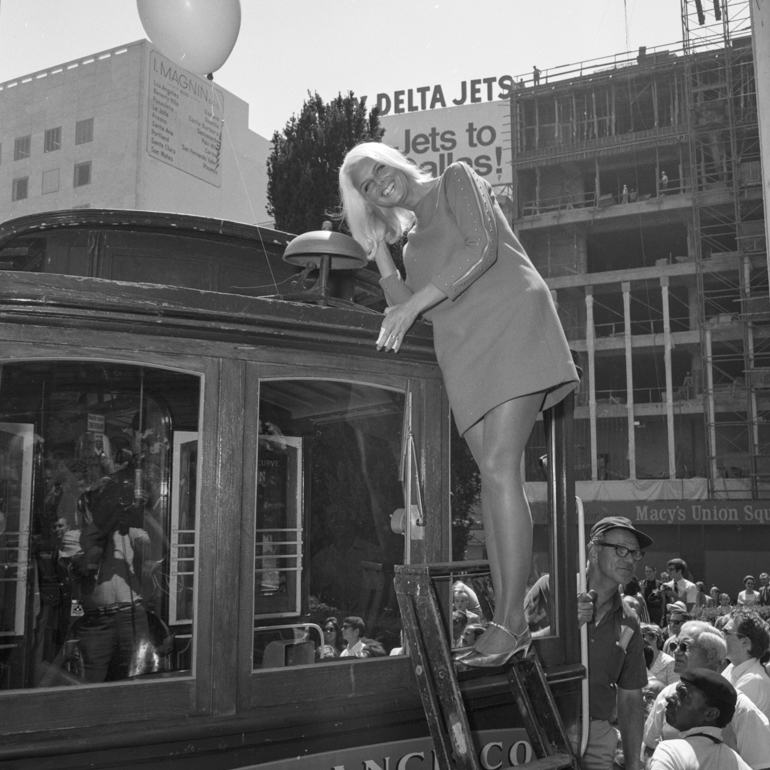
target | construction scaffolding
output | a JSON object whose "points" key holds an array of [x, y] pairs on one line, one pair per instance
{"points": [[728, 226]]}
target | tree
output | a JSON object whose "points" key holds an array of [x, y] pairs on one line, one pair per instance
{"points": [[302, 168]]}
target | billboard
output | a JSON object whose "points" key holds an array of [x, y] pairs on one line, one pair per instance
{"points": [[475, 133]]}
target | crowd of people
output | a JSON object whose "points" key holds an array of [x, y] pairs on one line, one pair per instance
{"points": [[655, 593], [348, 640], [663, 653]]}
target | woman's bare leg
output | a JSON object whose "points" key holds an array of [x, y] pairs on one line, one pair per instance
{"points": [[497, 443]]}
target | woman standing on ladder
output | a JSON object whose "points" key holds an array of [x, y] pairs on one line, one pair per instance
{"points": [[498, 340]]}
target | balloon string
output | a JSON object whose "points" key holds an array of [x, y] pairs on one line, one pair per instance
{"points": [[243, 180]]}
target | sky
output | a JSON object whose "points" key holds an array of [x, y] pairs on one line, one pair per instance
{"points": [[289, 47]]}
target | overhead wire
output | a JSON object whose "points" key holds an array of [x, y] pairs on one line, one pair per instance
{"points": [[221, 117]]}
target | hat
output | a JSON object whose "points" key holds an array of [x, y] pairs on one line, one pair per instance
{"points": [[619, 522], [677, 608], [718, 691]]}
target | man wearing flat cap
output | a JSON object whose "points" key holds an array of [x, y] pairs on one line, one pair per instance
{"points": [[616, 667], [701, 705]]}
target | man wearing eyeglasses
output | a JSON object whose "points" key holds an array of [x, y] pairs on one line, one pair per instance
{"points": [[748, 641], [700, 645], [616, 666]]}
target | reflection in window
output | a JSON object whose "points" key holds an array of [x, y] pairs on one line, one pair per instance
{"points": [[97, 522], [279, 527], [328, 481]]}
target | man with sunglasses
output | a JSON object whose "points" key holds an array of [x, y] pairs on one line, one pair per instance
{"points": [[677, 617], [616, 666], [748, 642], [700, 645]]}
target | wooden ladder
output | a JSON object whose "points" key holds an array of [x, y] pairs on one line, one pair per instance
{"points": [[440, 691]]}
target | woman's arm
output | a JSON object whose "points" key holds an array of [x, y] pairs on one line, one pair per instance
{"points": [[384, 260], [472, 210], [396, 291]]}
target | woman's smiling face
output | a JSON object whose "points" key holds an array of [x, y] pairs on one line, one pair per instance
{"points": [[379, 183]]}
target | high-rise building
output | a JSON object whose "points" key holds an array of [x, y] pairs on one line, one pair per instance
{"points": [[128, 129], [637, 192]]}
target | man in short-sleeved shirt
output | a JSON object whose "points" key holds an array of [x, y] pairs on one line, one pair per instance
{"points": [[616, 666]]}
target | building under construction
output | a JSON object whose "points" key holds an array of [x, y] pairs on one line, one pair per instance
{"points": [[637, 192]]}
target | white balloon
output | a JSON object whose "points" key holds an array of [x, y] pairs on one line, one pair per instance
{"points": [[196, 34]]}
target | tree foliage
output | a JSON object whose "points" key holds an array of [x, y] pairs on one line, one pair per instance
{"points": [[303, 165]]}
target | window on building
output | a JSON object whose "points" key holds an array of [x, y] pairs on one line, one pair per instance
{"points": [[51, 181], [82, 174], [20, 188], [52, 140], [21, 147], [84, 131]]}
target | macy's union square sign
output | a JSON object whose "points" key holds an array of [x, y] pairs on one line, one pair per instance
{"points": [[673, 512]]}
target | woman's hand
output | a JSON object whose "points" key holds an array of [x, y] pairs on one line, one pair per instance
{"points": [[398, 321], [399, 318]]}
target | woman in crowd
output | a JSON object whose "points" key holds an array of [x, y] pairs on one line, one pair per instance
{"points": [[748, 596], [662, 666], [498, 340], [332, 637]]}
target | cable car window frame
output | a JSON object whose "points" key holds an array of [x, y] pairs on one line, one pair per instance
{"points": [[281, 685], [122, 702]]}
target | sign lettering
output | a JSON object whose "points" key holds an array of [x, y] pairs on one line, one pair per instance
{"points": [[184, 121], [430, 97]]}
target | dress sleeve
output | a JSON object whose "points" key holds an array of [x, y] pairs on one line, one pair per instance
{"points": [[471, 207], [396, 291]]}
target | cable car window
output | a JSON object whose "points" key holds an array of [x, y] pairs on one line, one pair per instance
{"points": [[328, 463], [98, 513]]}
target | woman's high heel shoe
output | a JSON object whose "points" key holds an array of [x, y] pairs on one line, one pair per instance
{"points": [[476, 659]]}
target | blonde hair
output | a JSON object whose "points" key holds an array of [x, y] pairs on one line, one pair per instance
{"points": [[369, 224]]}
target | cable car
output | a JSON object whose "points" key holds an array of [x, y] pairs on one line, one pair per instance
{"points": [[208, 475]]}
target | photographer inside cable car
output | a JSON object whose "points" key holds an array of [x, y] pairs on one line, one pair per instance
{"points": [[111, 568]]}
